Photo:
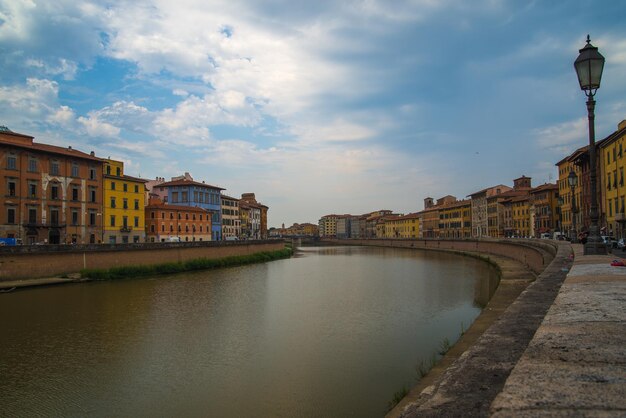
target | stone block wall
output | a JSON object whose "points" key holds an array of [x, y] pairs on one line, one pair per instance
{"points": [[29, 262]]}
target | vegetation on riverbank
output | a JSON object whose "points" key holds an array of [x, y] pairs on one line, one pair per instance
{"points": [[190, 265]]}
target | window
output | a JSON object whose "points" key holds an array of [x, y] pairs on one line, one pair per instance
{"points": [[112, 185], [171, 215], [108, 169], [74, 170], [74, 193], [136, 204], [74, 217], [125, 187], [12, 188], [125, 203], [118, 171], [54, 192], [92, 194], [185, 197], [152, 228], [174, 197], [112, 220], [54, 168], [11, 215], [125, 221], [32, 215], [92, 218], [92, 173], [179, 216], [171, 228], [112, 202], [32, 190], [136, 189], [162, 228], [54, 216], [12, 162], [136, 221], [32, 164], [186, 216]]}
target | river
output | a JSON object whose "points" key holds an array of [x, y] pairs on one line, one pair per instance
{"points": [[331, 332]]}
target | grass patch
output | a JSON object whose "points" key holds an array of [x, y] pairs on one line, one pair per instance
{"points": [[397, 397], [189, 265]]}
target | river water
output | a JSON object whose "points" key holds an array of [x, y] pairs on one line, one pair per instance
{"points": [[332, 332]]}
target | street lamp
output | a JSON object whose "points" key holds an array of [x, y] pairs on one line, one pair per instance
{"points": [[589, 66], [572, 179], [559, 211]]}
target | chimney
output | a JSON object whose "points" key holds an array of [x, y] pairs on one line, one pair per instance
{"points": [[93, 154]]}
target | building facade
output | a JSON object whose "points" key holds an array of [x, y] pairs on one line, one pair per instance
{"points": [[187, 192], [49, 194], [231, 222], [175, 223], [611, 152], [123, 205]]}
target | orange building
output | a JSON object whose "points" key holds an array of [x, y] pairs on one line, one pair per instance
{"points": [[167, 223], [49, 194]]}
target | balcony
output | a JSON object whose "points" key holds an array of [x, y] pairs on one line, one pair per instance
{"points": [[126, 228]]}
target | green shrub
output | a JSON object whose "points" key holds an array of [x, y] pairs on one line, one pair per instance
{"points": [[190, 265]]}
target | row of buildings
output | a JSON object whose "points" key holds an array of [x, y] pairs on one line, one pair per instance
{"points": [[497, 211], [50, 194], [548, 210]]}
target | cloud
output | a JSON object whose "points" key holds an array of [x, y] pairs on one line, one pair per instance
{"points": [[95, 127], [564, 137], [32, 102]]}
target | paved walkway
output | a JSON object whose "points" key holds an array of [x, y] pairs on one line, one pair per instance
{"points": [[575, 364]]}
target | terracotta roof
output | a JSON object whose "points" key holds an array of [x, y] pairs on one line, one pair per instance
{"points": [[184, 182], [52, 149], [547, 186], [487, 189]]}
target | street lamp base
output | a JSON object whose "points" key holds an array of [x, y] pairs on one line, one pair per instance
{"points": [[594, 248]]}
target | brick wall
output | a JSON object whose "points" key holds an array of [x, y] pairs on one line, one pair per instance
{"points": [[28, 262]]}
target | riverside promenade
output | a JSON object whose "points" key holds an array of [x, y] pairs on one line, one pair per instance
{"points": [[575, 364], [558, 351]]}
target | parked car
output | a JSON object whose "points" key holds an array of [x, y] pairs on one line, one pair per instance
{"points": [[620, 244]]}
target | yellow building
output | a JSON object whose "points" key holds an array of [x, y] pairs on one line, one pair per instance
{"points": [[565, 166], [520, 216], [611, 182], [406, 226], [123, 206], [455, 220], [328, 226]]}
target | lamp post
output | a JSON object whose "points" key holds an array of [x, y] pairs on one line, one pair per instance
{"points": [[589, 66], [572, 179], [559, 210]]}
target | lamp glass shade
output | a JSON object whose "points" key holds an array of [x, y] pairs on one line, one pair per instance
{"points": [[589, 66], [572, 179]]}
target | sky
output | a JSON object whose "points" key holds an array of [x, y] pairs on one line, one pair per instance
{"points": [[317, 107]]}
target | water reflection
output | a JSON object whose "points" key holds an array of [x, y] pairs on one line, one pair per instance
{"points": [[333, 332]]}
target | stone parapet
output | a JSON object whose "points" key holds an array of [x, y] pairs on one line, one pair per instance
{"points": [[39, 261]]}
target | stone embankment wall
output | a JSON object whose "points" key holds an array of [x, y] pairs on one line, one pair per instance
{"points": [[30, 262], [534, 254]]}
